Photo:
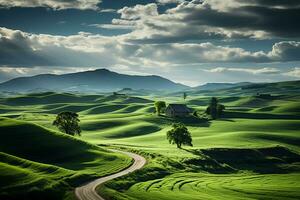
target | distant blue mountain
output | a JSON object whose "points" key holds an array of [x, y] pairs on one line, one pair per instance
{"points": [[219, 86], [101, 80]]}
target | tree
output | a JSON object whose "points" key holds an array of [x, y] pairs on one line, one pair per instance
{"points": [[215, 109], [220, 109], [159, 105], [184, 95], [212, 108], [179, 135], [68, 123]]}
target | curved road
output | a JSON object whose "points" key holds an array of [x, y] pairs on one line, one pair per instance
{"points": [[88, 191]]}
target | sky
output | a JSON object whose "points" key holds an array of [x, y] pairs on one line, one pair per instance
{"points": [[188, 41]]}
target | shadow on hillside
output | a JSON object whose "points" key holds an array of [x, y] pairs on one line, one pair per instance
{"points": [[247, 115], [226, 120], [282, 139], [261, 160], [189, 121], [49, 98]]}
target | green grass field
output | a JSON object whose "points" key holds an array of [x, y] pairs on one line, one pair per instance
{"points": [[36, 161], [252, 152]]}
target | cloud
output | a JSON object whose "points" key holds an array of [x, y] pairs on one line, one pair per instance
{"points": [[54, 4], [214, 19], [273, 3], [198, 53], [287, 51], [109, 10], [112, 26], [265, 70], [138, 11], [85, 49], [189, 34], [294, 73], [7, 73], [269, 18], [24, 49], [210, 53], [169, 1], [17, 48]]}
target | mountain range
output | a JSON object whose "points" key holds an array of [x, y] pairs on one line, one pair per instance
{"points": [[101, 80], [218, 86]]}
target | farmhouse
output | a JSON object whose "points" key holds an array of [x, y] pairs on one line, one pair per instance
{"points": [[177, 110]]}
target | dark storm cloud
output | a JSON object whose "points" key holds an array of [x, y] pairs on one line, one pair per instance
{"points": [[218, 20], [281, 3], [21, 49], [261, 16], [287, 51], [16, 51]]}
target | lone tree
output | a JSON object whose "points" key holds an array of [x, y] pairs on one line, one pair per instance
{"points": [[68, 123], [159, 105], [215, 109], [179, 135]]}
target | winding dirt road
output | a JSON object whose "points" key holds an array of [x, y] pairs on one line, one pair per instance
{"points": [[88, 191]]}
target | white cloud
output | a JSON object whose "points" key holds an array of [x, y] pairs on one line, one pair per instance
{"points": [[109, 10], [138, 11], [7, 73], [11, 70], [94, 50], [287, 50], [160, 41], [24, 49], [169, 1], [54, 4], [294, 73], [112, 26], [179, 24], [265, 70], [212, 19], [198, 53]]}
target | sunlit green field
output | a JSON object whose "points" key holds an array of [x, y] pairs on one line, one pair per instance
{"points": [[208, 186], [38, 162], [252, 152]]}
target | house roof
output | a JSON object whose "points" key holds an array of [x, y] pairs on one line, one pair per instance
{"points": [[181, 108]]}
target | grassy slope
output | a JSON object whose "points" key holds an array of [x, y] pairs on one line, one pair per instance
{"points": [[24, 179], [66, 156], [253, 130], [251, 123], [210, 186]]}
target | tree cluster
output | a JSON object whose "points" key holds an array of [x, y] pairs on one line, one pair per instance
{"points": [[215, 110]]}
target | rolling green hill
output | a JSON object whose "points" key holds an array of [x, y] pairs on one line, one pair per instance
{"points": [[42, 160], [49, 98], [24, 179], [252, 152]]}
